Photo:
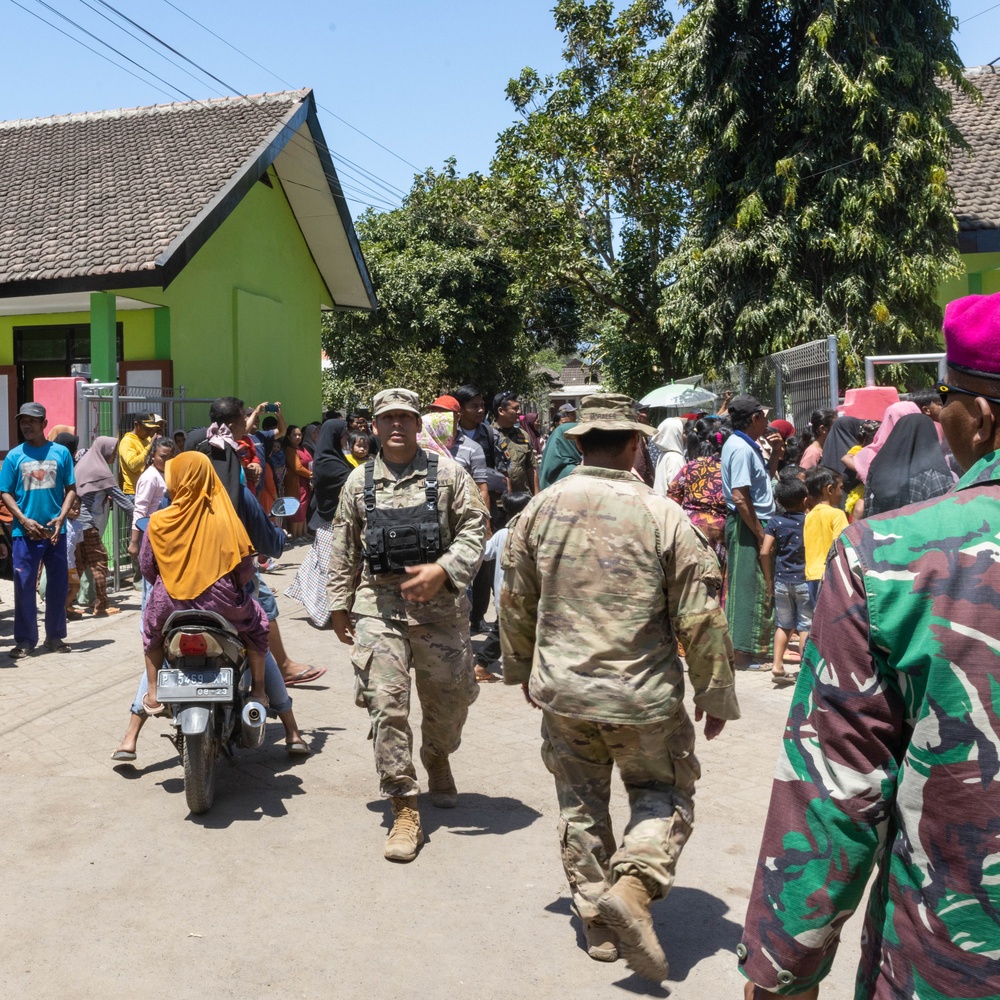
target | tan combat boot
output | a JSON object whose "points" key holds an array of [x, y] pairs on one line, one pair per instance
{"points": [[406, 836], [602, 942], [625, 909], [440, 782]]}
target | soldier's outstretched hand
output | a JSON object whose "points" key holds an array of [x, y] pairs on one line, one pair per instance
{"points": [[343, 626], [713, 726]]}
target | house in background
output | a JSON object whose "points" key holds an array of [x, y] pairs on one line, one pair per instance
{"points": [[190, 244], [975, 180]]}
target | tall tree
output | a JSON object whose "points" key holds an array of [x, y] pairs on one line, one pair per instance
{"points": [[588, 181], [450, 310], [820, 200]]}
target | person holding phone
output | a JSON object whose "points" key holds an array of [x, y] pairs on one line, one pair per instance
{"points": [[38, 486]]}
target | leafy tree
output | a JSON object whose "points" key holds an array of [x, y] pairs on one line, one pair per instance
{"points": [[820, 146], [450, 307], [587, 184]]}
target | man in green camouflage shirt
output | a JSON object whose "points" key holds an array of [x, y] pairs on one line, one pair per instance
{"points": [[891, 752], [601, 579], [417, 618]]}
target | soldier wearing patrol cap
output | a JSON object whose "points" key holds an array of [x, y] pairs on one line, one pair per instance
{"points": [[602, 577], [416, 523]]}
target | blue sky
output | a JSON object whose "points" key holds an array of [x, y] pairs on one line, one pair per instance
{"points": [[425, 79]]}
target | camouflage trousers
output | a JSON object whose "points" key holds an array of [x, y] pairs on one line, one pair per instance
{"points": [[659, 769], [440, 655]]}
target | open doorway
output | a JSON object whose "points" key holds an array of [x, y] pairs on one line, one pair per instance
{"points": [[51, 352]]}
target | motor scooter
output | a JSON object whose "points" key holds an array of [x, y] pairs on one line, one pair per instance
{"points": [[205, 685]]}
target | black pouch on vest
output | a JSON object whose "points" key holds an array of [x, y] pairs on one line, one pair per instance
{"points": [[397, 538]]}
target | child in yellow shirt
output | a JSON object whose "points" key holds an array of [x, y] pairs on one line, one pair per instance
{"points": [[824, 523]]}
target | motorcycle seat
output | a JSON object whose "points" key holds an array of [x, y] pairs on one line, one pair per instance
{"points": [[195, 618]]}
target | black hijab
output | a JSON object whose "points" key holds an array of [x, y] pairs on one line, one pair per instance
{"points": [[330, 470], [909, 467], [843, 436]]}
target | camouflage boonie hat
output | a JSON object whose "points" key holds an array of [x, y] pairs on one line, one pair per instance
{"points": [[607, 411], [396, 399]]}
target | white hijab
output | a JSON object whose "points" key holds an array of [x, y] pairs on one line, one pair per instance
{"points": [[669, 438]]}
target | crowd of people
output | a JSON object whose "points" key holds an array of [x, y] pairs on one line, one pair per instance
{"points": [[620, 556]]}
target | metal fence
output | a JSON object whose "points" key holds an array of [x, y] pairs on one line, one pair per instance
{"points": [[107, 408], [793, 382]]}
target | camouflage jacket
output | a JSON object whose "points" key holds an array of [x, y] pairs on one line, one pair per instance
{"points": [[461, 515], [892, 754], [521, 469], [601, 576]]}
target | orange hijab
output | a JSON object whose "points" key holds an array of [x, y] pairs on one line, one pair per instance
{"points": [[198, 539]]}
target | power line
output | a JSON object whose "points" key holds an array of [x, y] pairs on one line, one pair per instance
{"points": [[95, 51], [389, 188], [177, 90], [108, 45], [120, 27], [343, 121], [980, 14]]}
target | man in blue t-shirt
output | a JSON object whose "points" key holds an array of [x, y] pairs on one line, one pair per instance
{"points": [[37, 484]]}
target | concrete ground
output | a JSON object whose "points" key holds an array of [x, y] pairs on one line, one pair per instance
{"points": [[111, 888]]}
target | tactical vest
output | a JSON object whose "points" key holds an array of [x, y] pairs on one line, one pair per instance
{"points": [[408, 536]]}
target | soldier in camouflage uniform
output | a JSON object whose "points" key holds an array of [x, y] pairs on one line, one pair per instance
{"points": [[892, 748], [418, 619], [602, 577]]}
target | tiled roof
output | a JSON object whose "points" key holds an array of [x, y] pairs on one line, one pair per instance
{"points": [[975, 175], [109, 193]]}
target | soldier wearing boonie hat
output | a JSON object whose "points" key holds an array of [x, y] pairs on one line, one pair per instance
{"points": [[601, 578], [416, 523]]}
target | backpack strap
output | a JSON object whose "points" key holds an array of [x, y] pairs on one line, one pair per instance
{"points": [[431, 483], [369, 491]]}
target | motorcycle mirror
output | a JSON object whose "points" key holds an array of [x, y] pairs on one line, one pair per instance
{"points": [[142, 524], [284, 507]]}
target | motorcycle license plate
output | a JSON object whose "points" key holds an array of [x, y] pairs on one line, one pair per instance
{"points": [[202, 684]]}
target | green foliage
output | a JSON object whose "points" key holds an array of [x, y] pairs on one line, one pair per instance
{"points": [[819, 204], [587, 186], [450, 307]]}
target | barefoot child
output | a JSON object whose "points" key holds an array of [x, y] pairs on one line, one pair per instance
{"points": [[783, 561]]}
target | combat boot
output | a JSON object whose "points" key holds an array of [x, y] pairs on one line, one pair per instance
{"points": [[625, 909], [440, 782], [602, 942], [406, 836]]}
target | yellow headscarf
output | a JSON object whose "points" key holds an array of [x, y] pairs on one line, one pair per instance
{"points": [[198, 539]]}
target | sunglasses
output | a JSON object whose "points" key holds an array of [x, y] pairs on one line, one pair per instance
{"points": [[945, 391]]}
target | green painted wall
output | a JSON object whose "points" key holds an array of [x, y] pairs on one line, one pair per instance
{"points": [[245, 312], [982, 277]]}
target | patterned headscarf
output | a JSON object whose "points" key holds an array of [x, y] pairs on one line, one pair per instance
{"points": [[437, 433]]}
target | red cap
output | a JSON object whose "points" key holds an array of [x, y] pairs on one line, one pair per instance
{"points": [[446, 403], [784, 428]]}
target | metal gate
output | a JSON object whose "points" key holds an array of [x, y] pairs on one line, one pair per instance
{"points": [[793, 382], [107, 408]]}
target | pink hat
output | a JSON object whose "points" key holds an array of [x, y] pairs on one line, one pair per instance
{"points": [[972, 334]]}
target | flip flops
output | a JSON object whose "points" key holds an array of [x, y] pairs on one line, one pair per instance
{"points": [[306, 676], [151, 712], [298, 749], [123, 755], [782, 679]]}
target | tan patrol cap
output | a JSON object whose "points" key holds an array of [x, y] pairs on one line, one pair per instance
{"points": [[607, 411], [396, 399]]}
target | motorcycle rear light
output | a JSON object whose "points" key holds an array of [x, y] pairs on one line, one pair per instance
{"points": [[193, 645]]}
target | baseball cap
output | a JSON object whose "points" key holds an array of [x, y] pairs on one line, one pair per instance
{"points": [[396, 399], [446, 403], [745, 406], [568, 408], [608, 411], [32, 410], [148, 419]]}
